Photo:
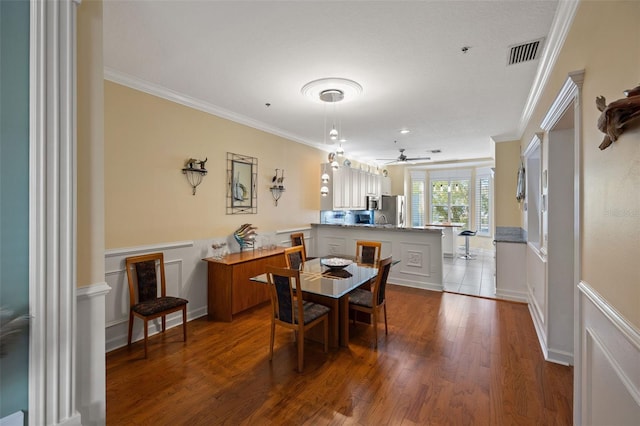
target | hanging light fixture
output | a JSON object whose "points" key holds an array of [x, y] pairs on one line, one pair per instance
{"points": [[325, 175], [340, 151]]}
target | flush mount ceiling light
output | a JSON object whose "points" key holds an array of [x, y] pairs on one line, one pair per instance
{"points": [[331, 90]]}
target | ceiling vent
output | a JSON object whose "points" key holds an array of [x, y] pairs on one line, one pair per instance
{"points": [[525, 52]]}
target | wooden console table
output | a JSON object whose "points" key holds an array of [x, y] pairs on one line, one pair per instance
{"points": [[229, 288]]}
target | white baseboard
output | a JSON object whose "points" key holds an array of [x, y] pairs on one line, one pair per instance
{"points": [[513, 295]]}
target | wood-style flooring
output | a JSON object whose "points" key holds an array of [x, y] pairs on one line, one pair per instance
{"points": [[449, 359]]}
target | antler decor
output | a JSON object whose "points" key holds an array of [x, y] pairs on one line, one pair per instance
{"points": [[617, 115]]}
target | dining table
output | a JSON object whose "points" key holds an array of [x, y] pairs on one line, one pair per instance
{"points": [[331, 286]]}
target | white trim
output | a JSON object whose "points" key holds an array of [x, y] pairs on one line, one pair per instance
{"points": [[558, 33], [567, 95], [609, 344], [191, 102], [126, 251], [628, 330], [52, 213], [513, 295], [94, 290]]}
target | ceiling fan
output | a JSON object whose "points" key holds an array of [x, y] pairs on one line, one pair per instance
{"points": [[403, 158]]}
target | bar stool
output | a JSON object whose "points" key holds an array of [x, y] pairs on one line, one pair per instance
{"points": [[466, 234]]}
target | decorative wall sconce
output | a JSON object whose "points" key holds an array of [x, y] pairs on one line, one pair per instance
{"points": [[195, 171], [277, 187]]}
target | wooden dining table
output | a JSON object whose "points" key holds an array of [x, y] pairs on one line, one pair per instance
{"points": [[331, 287]]}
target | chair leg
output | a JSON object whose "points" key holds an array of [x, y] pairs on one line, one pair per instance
{"points": [[385, 318], [273, 332], [184, 324], [130, 328], [300, 351], [146, 335], [326, 334], [375, 326], [164, 323]]}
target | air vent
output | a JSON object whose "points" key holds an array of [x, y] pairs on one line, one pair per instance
{"points": [[525, 52]]}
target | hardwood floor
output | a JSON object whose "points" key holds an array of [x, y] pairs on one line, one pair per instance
{"points": [[448, 359]]}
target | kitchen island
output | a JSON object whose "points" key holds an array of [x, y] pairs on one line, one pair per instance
{"points": [[418, 249]]}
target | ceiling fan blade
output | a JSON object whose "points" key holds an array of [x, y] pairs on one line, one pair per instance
{"points": [[418, 158]]}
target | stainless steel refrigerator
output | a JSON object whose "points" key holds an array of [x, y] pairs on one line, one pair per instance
{"points": [[393, 210]]}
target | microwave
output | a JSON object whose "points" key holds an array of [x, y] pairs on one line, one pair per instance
{"points": [[373, 203]]}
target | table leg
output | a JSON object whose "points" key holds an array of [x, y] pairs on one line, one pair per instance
{"points": [[344, 320]]}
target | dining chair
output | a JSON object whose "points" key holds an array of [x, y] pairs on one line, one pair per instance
{"points": [[291, 311], [297, 239], [368, 252], [370, 301], [294, 257], [144, 302]]}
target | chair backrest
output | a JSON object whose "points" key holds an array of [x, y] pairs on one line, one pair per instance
{"points": [[294, 257], [142, 274], [379, 287], [297, 239], [285, 300], [368, 251]]}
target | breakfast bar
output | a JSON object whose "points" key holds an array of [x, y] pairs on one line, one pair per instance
{"points": [[418, 249]]}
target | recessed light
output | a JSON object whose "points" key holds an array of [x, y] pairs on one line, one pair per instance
{"points": [[405, 131]]}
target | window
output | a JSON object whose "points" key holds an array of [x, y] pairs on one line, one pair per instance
{"points": [[483, 202], [450, 198], [418, 188]]}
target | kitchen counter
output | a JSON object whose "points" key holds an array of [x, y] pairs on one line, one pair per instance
{"points": [[380, 227], [510, 234], [418, 249]]}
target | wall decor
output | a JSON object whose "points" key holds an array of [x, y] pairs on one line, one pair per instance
{"points": [[617, 115], [194, 170], [277, 187], [242, 174]]}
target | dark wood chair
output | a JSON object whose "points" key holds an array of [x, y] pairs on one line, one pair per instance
{"points": [[144, 302], [371, 301], [291, 311], [368, 252], [297, 239], [294, 257]]}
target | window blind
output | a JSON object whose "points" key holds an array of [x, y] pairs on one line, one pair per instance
{"points": [[418, 189]]}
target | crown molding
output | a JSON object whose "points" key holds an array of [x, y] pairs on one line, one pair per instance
{"points": [[191, 102], [560, 27]]}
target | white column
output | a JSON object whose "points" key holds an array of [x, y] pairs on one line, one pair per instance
{"points": [[52, 221]]}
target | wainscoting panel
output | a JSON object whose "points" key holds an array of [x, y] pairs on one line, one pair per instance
{"points": [[186, 276], [610, 363]]}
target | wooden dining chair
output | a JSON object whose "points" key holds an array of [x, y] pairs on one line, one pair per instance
{"points": [[297, 239], [368, 252], [144, 302], [291, 311], [294, 257], [371, 301]]}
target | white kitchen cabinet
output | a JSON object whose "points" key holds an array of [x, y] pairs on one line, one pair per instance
{"points": [[511, 271], [347, 189], [385, 185]]}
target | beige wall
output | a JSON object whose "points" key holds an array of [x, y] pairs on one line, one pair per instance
{"points": [[148, 199], [605, 41], [507, 209], [90, 144]]}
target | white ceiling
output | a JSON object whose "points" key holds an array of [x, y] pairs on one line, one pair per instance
{"points": [[233, 57]]}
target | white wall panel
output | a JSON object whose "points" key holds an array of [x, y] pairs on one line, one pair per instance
{"points": [[610, 360]]}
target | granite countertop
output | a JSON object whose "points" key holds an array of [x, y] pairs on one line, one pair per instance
{"points": [[510, 234], [384, 227]]}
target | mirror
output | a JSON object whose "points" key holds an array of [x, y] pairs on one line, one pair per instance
{"points": [[242, 173]]}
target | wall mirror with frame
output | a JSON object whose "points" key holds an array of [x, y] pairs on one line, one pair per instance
{"points": [[242, 174]]}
